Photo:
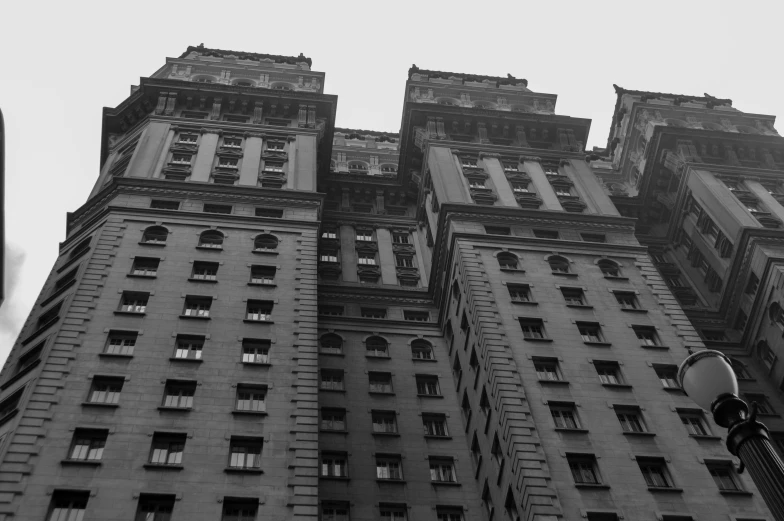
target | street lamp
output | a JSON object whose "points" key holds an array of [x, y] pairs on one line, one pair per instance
{"points": [[707, 377]]}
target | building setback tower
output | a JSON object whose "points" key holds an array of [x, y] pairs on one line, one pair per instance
{"points": [[259, 316]]}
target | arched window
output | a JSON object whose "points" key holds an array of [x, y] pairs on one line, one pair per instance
{"points": [[376, 346], [774, 312], [766, 354], [558, 264], [421, 350], [265, 242], [331, 343], [609, 268], [81, 248], [211, 239], [155, 235], [507, 261], [740, 369]]}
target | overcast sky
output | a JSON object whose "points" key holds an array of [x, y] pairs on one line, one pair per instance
{"points": [[63, 61]]}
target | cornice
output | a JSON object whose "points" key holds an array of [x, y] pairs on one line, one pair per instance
{"points": [[203, 51], [522, 215], [369, 294], [372, 220]]}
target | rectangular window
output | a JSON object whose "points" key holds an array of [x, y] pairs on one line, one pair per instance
{"points": [[384, 422], [238, 509], [401, 238], [393, 512], [694, 422], [416, 316], [333, 419], [262, 274], [29, 359], [573, 296], [205, 270], [167, 449], [251, 398], [609, 373], [442, 470], [331, 380], [154, 507], [584, 469], [334, 511], [232, 142], [364, 235], [763, 404], [590, 332], [275, 145], [245, 453], [275, 167], [197, 306], [188, 138], [328, 256], [329, 234], [333, 465], [389, 467], [547, 369], [179, 394], [105, 390], [189, 347], [145, 266], [380, 382], [65, 281], [217, 208], [181, 159], [121, 343], [498, 230], [404, 261], [435, 425], [713, 335], [630, 419], [268, 212], [627, 300], [374, 313], [752, 284], [654, 471], [724, 476], [368, 259], [668, 375], [520, 187], [646, 335], [533, 328], [68, 505], [88, 445], [519, 292], [160, 204], [259, 310], [564, 416], [546, 234], [594, 237], [333, 311], [449, 514], [133, 302], [427, 385], [255, 351]]}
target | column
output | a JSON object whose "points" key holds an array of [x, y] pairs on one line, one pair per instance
{"points": [[591, 190], [148, 150], [348, 259], [542, 185], [447, 180], [766, 198], [304, 168], [423, 261], [386, 256], [205, 156], [502, 188], [164, 152], [251, 159]]}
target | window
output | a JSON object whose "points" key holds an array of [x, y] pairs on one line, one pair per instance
{"points": [[329, 234], [328, 256], [181, 159], [558, 264], [674, 281], [498, 230], [507, 261], [245, 453], [427, 385], [236, 509], [189, 347], [547, 369], [155, 235], [217, 208], [211, 239], [333, 465], [384, 422], [88, 444], [331, 343], [713, 335], [533, 328], [520, 187], [262, 274], [188, 138], [404, 261], [333, 419], [333, 311], [752, 284], [630, 419], [519, 292], [573, 296], [265, 242], [250, 398], [763, 405], [422, 350], [584, 469], [465, 407], [593, 237], [609, 373], [255, 351], [694, 422], [51, 315], [197, 307], [392, 512], [154, 507], [435, 425], [646, 335], [724, 476], [205, 270], [475, 182], [259, 310], [590, 332], [331, 380], [546, 234], [766, 354], [364, 235], [376, 346], [442, 470], [334, 511], [497, 453], [232, 142], [380, 382], [368, 259], [484, 405], [275, 145], [105, 390], [609, 268], [145, 267], [178, 394], [68, 505], [564, 416], [167, 449], [654, 470], [401, 238], [416, 316], [668, 375], [65, 281], [602, 516], [389, 466], [449, 514], [133, 302], [740, 320], [627, 300], [29, 359], [741, 373]]}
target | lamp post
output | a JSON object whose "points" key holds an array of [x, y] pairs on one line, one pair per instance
{"points": [[707, 377]]}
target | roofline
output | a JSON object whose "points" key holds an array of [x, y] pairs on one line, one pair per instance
{"points": [[247, 55]]}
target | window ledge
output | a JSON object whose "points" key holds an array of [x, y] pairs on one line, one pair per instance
{"points": [[631, 433], [80, 462], [194, 317], [577, 431], [207, 248], [239, 412], [265, 252], [430, 395], [579, 306], [233, 470], [130, 313], [446, 484], [537, 339], [663, 348], [113, 355], [611, 277], [387, 434], [382, 393], [156, 466], [378, 357], [207, 281], [735, 493], [435, 437], [562, 274], [96, 404], [331, 390], [617, 386], [330, 354], [159, 244], [263, 284], [554, 382], [769, 414], [424, 360], [332, 431], [525, 302], [633, 310], [175, 409], [705, 437], [18, 376], [256, 364], [335, 478], [598, 344], [673, 389], [666, 489], [513, 270], [592, 485], [191, 360], [389, 480], [135, 276], [249, 321]]}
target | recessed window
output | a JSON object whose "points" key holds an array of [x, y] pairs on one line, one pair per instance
{"points": [[384, 422], [52, 315], [435, 424], [520, 187], [134, 302], [245, 453], [366, 258], [217, 208], [389, 466], [376, 346], [251, 398], [334, 511], [331, 380], [273, 166], [442, 470], [265, 242], [275, 145], [654, 470], [211, 239], [763, 404], [713, 335], [627, 300], [167, 449], [232, 142], [752, 284], [380, 382], [238, 509], [558, 264], [332, 311], [609, 268], [329, 233], [427, 385], [269, 212], [65, 281], [189, 347], [333, 419], [262, 274], [161, 204], [197, 307], [668, 375], [547, 369], [328, 256], [498, 230], [29, 359], [609, 373], [393, 512], [88, 445], [647, 336], [532, 328], [68, 505], [401, 238], [178, 394], [207, 271], [333, 465], [181, 159], [449, 514], [374, 313], [507, 261], [741, 373], [519, 292], [155, 235], [590, 332], [564, 416], [546, 234], [724, 476], [584, 469], [593, 237], [255, 351], [694, 422], [573, 296], [422, 350], [476, 182], [190, 139], [404, 261], [416, 316], [602, 516], [259, 310], [105, 390], [408, 282], [331, 344], [145, 266], [630, 419]]}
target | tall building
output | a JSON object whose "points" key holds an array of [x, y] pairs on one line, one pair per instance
{"points": [[257, 315]]}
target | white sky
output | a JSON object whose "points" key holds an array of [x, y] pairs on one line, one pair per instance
{"points": [[62, 61]]}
